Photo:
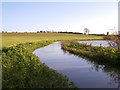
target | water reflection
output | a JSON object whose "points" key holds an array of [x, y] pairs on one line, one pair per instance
{"points": [[81, 71], [113, 73]]}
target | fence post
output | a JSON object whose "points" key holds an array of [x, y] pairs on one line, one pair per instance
{"points": [[90, 44]]}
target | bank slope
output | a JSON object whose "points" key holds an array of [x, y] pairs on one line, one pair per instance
{"points": [[22, 69]]}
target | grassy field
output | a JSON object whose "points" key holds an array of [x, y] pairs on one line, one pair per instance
{"points": [[15, 38]]}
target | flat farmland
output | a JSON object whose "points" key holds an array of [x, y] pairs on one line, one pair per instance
{"points": [[16, 38]]}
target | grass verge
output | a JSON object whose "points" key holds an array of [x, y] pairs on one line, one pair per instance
{"points": [[22, 69], [101, 55]]}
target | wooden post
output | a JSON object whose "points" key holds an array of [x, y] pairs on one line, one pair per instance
{"points": [[90, 44]]}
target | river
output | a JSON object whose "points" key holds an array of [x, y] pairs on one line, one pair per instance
{"points": [[79, 70], [103, 43]]}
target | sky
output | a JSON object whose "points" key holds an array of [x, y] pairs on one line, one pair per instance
{"points": [[98, 17]]}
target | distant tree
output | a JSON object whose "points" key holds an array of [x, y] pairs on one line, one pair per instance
{"points": [[86, 31]]}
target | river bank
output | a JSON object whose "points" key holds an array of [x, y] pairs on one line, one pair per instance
{"points": [[101, 55], [22, 69]]}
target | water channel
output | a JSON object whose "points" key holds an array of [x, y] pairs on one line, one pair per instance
{"points": [[79, 70]]}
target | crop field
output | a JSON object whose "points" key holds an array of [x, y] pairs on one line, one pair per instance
{"points": [[15, 38]]}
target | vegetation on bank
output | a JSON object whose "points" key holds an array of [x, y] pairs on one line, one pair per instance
{"points": [[114, 40], [22, 69], [101, 55]]}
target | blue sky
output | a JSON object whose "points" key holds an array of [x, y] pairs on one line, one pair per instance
{"points": [[59, 0], [99, 17]]}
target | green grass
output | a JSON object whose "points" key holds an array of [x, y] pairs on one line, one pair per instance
{"points": [[101, 55], [22, 69], [15, 38]]}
